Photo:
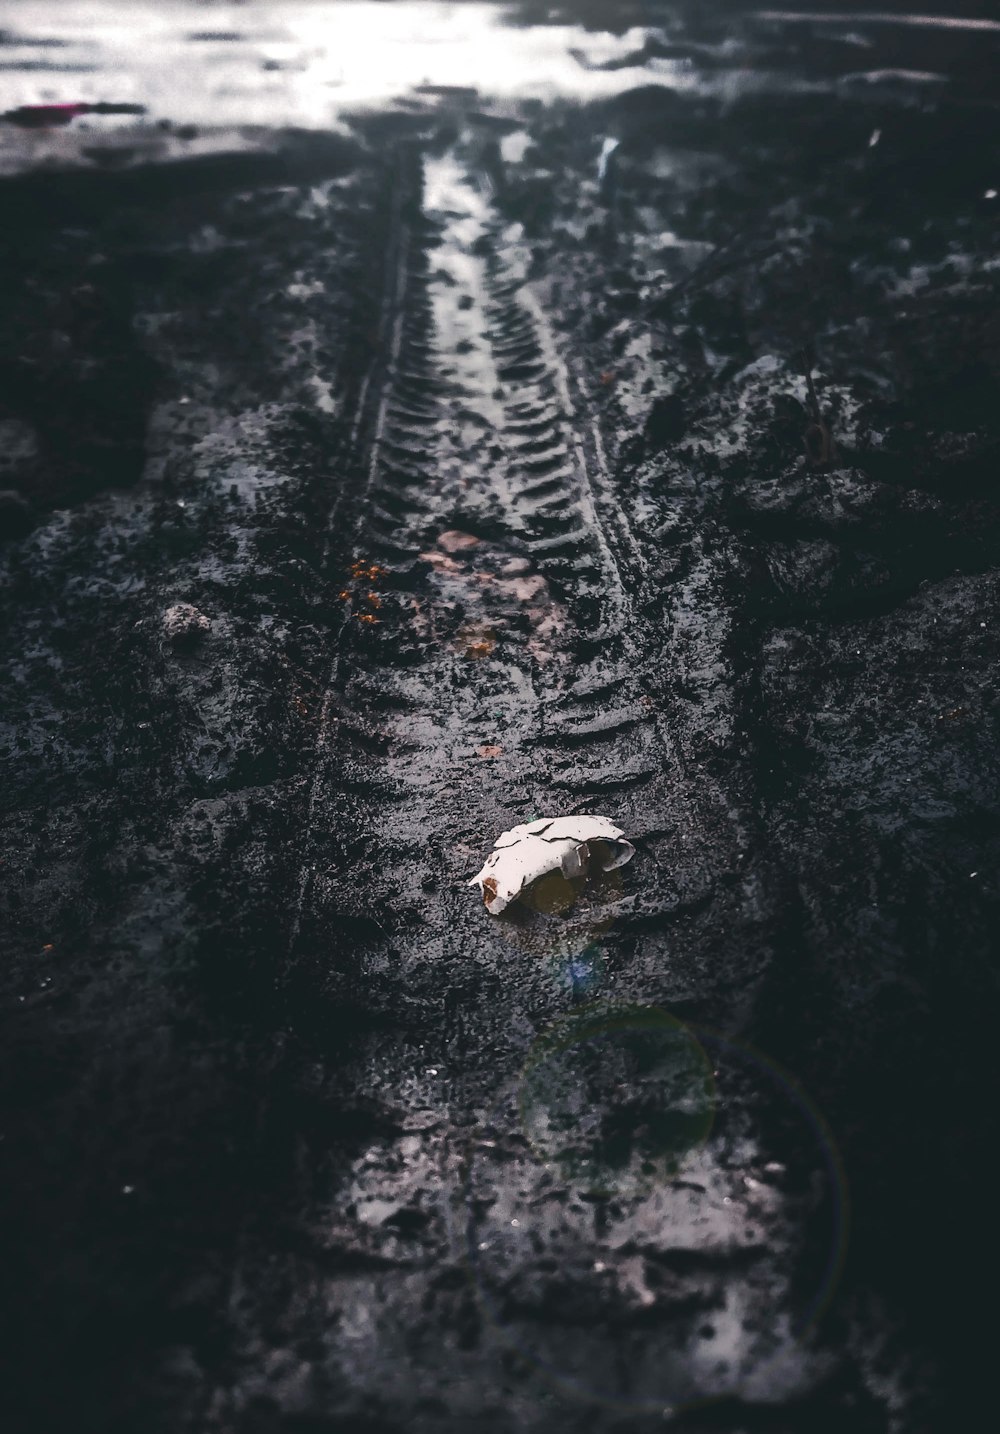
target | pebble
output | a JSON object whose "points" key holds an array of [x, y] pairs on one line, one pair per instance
{"points": [[184, 624]]}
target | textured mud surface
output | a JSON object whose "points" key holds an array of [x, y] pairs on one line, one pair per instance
{"points": [[636, 455]]}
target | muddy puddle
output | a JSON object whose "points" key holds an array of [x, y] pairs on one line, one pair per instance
{"points": [[417, 420]]}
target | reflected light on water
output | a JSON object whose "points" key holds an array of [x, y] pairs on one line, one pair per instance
{"points": [[879, 17], [301, 63]]}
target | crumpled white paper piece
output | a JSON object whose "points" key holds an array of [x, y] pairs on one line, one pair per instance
{"points": [[527, 852]]}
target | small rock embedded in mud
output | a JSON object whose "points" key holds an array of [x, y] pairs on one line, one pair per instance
{"points": [[184, 625], [440, 562], [455, 541], [570, 845]]}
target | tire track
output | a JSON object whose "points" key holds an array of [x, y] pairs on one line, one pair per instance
{"points": [[386, 355], [524, 640]]}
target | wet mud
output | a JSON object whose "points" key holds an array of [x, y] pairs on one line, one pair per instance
{"points": [[368, 492]]}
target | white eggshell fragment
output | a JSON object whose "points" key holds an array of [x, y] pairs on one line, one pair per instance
{"points": [[525, 853]]}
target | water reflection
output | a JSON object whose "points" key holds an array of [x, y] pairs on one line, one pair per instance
{"points": [[301, 63], [270, 65], [880, 17]]}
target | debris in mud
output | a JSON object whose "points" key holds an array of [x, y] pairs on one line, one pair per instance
{"points": [[476, 640], [364, 569], [568, 845], [499, 593], [366, 600], [184, 625]]}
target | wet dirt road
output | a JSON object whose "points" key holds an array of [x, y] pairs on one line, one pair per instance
{"points": [[478, 424]]}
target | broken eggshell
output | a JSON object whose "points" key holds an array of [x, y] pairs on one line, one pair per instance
{"points": [[570, 845]]}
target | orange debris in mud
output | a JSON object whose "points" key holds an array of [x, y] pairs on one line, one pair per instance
{"points": [[475, 639], [364, 569]]}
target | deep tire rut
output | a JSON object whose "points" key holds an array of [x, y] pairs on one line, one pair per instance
{"points": [[467, 427]]}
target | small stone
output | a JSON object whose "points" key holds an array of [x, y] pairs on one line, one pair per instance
{"points": [[526, 589], [455, 541], [440, 562], [184, 625]]}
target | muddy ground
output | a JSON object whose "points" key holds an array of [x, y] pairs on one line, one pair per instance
{"points": [[481, 433]]}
